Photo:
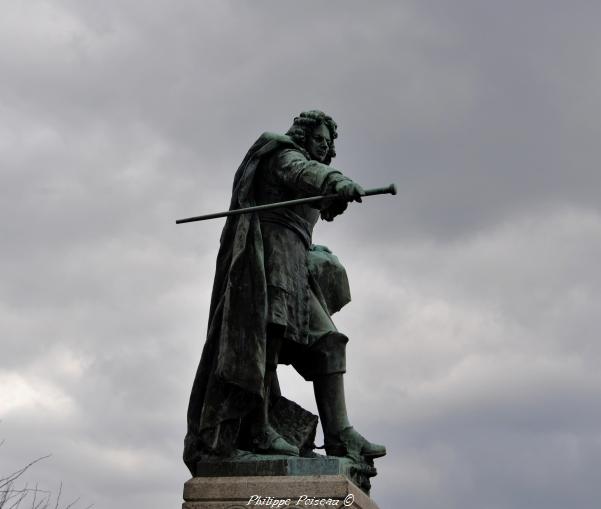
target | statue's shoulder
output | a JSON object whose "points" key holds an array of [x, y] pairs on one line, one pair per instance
{"points": [[269, 143]]}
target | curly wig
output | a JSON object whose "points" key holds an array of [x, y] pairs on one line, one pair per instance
{"points": [[304, 125]]}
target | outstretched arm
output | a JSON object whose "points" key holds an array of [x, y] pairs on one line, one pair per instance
{"points": [[310, 178]]}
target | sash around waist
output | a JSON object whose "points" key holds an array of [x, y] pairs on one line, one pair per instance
{"points": [[290, 220]]}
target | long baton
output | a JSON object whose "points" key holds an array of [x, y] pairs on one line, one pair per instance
{"points": [[391, 189]]}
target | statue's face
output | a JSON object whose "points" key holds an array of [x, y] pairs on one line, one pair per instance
{"points": [[318, 143]]}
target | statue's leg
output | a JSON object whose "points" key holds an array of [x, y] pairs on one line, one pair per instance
{"points": [[331, 402], [327, 358], [260, 416], [264, 439], [340, 438]]}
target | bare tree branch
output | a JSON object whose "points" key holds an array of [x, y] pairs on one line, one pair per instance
{"points": [[15, 475], [40, 499], [58, 497]]}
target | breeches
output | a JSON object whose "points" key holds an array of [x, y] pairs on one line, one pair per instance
{"points": [[324, 354]]}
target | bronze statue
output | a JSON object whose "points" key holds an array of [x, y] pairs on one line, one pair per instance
{"points": [[273, 296]]}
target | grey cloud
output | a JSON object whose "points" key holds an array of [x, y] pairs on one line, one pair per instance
{"points": [[474, 320]]}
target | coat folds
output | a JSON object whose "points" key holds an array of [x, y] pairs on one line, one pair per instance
{"points": [[229, 379]]}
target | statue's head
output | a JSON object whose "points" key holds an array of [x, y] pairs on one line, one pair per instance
{"points": [[315, 132]]}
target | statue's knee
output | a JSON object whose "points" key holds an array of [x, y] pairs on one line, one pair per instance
{"points": [[330, 354], [334, 342]]}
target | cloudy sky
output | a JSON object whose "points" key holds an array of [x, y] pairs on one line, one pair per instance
{"points": [[474, 326]]}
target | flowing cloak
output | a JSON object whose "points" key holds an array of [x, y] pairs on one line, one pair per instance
{"points": [[229, 379]]}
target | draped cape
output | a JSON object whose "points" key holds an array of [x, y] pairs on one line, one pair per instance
{"points": [[229, 379]]}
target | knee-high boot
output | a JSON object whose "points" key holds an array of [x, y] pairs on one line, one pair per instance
{"points": [[265, 439], [340, 437]]}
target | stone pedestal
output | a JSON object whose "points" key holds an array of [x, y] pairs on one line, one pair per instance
{"points": [[281, 491]]}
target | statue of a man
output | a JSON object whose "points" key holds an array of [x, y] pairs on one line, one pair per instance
{"points": [[268, 307]]}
